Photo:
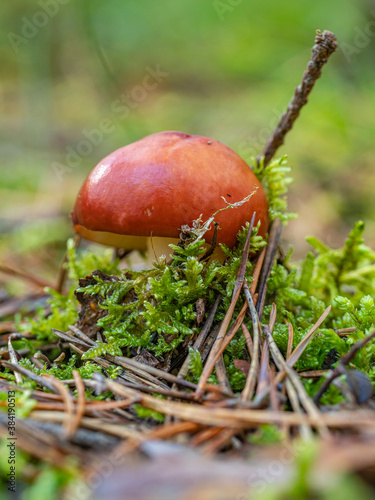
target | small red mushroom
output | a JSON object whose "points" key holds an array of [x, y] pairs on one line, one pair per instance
{"points": [[156, 185]]}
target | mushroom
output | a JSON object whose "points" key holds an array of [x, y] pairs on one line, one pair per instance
{"points": [[141, 195]]}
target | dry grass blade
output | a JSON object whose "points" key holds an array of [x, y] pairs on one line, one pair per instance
{"points": [[162, 432], [42, 445], [63, 267], [272, 246], [263, 378], [313, 373], [274, 397], [281, 364], [248, 390], [222, 376], [145, 371], [81, 401], [249, 340], [209, 342], [305, 430], [39, 395], [13, 355], [171, 430], [289, 348], [257, 270], [200, 339], [231, 333], [68, 423], [127, 375], [264, 372], [82, 335], [342, 332], [12, 306], [89, 409], [29, 374], [298, 351], [205, 435], [212, 358], [96, 424], [42, 357], [7, 326], [219, 441], [70, 338]]}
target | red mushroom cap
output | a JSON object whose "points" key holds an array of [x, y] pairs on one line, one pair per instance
{"points": [[156, 185]]}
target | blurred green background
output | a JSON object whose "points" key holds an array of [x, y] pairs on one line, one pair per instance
{"points": [[82, 78]]}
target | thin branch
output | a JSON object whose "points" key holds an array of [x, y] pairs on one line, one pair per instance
{"points": [[272, 246], [325, 45]]}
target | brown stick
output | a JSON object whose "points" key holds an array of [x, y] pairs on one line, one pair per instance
{"points": [[325, 45], [272, 246]]}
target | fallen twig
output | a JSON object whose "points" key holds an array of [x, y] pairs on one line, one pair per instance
{"points": [[325, 45]]}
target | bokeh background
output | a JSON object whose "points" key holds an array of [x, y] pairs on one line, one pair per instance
{"points": [[82, 78]]}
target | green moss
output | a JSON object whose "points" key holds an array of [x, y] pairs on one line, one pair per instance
{"points": [[275, 181], [164, 298]]}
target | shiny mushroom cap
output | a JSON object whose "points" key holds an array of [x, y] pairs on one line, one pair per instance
{"points": [[154, 186]]}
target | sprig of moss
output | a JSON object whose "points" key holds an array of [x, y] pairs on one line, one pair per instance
{"points": [[275, 181]]}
